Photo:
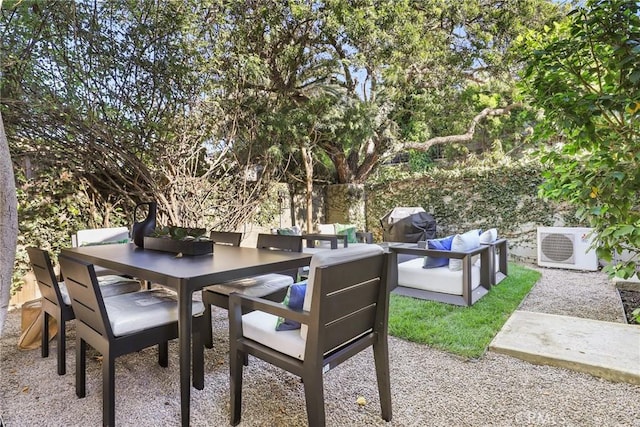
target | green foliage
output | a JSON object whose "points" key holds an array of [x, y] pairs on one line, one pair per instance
{"points": [[483, 194], [584, 74], [181, 233], [51, 206], [465, 331]]}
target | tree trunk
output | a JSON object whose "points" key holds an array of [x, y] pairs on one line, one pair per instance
{"points": [[308, 168], [8, 223]]}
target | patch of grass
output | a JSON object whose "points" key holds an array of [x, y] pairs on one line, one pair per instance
{"points": [[465, 331]]}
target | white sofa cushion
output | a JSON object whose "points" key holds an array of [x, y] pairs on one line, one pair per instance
{"points": [[110, 285], [441, 279], [255, 286], [261, 327], [336, 256], [489, 236], [463, 243], [129, 313]]}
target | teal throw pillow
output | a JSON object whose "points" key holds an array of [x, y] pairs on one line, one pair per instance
{"points": [[293, 300]]}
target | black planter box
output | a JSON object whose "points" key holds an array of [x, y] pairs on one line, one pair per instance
{"points": [[185, 247]]}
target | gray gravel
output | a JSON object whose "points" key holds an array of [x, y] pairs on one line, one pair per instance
{"points": [[430, 387]]}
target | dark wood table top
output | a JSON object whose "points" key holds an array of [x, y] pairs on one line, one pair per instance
{"points": [[226, 263]]}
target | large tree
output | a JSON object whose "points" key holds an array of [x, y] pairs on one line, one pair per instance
{"points": [[394, 74], [8, 222], [584, 75]]}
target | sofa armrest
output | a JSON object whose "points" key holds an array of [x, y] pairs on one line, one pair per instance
{"points": [[499, 245]]}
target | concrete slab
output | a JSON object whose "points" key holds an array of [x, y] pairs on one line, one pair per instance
{"points": [[604, 349]]}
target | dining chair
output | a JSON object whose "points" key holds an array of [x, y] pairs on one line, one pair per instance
{"points": [[230, 238], [57, 304], [345, 310], [269, 286], [124, 324]]}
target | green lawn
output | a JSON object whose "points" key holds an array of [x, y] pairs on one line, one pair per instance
{"points": [[466, 331]]}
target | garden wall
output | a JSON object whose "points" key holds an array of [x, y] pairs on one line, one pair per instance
{"points": [[504, 197]]}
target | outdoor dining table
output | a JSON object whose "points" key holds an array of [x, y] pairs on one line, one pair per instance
{"points": [[187, 274]]}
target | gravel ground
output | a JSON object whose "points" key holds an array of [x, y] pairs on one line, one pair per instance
{"points": [[429, 387]]}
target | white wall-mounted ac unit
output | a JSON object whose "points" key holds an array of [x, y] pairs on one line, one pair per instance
{"points": [[566, 247]]}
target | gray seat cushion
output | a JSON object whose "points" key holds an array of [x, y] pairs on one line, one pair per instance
{"points": [[110, 285], [255, 286], [137, 311]]}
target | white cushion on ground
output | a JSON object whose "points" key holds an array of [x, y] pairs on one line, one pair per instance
{"points": [[261, 327], [441, 279], [336, 256], [255, 286], [129, 313], [110, 285]]}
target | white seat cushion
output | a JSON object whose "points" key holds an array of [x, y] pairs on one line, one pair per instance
{"points": [[261, 327], [336, 256], [134, 312], [316, 249], [440, 279], [255, 286], [110, 285]]}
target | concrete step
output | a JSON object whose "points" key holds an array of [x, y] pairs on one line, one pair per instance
{"points": [[603, 349]]}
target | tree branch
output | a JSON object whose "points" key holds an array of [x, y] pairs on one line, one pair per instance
{"points": [[465, 137]]}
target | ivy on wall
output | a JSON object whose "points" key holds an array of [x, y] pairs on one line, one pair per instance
{"points": [[504, 196]]}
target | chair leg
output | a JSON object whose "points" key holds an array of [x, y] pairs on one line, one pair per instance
{"points": [[197, 354], [108, 390], [314, 396], [44, 345], [163, 354], [381, 358], [236, 365], [81, 367], [62, 348], [208, 339]]}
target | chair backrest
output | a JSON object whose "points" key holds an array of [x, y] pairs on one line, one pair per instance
{"points": [[279, 242], [86, 298], [347, 295], [45, 276], [100, 236], [229, 238]]}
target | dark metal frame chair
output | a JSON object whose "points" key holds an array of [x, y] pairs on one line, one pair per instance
{"points": [[230, 238], [52, 304], [265, 241], [93, 327], [349, 312]]}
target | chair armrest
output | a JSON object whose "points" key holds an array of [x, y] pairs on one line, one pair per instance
{"points": [[238, 301]]}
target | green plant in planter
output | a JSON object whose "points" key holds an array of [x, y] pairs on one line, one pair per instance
{"points": [[181, 233]]}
